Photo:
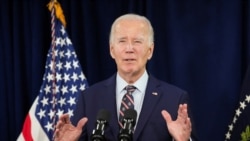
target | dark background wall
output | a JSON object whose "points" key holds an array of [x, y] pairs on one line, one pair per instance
{"points": [[201, 46]]}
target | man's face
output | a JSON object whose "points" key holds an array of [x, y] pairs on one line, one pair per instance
{"points": [[130, 47]]}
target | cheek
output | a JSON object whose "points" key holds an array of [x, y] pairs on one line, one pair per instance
{"points": [[115, 54]]}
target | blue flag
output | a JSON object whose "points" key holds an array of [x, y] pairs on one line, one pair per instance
{"points": [[63, 81], [239, 128]]}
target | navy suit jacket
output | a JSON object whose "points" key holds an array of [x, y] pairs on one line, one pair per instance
{"points": [[151, 126]]}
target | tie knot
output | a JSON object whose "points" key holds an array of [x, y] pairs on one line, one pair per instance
{"points": [[130, 89]]}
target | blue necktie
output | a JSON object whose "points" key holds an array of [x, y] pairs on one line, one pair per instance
{"points": [[127, 102]]}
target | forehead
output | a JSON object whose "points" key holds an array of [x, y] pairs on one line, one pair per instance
{"points": [[131, 27]]}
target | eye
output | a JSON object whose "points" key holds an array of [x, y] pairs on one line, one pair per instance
{"points": [[122, 41], [138, 41]]}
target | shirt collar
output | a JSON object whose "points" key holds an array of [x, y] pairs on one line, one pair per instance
{"points": [[140, 84]]}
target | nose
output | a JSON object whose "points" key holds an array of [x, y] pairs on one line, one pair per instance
{"points": [[129, 46]]}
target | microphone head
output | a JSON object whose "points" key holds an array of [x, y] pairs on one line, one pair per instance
{"points": [[130, 114], [103, 115]]}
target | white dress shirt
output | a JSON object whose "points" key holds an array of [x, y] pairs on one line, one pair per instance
{"points": [[138, 94]]}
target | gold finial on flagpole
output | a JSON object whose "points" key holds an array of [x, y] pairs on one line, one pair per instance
{"points": [[58, 10]]}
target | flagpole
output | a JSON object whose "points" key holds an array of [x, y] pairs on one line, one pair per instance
{"points": [[56, 12], [53, 45], [53, 62]]}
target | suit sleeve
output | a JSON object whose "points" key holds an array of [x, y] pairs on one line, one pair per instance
{"points": [[79, 113], [194, 136]]}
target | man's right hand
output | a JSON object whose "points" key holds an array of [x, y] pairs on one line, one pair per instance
{"points": [[65, 131]]}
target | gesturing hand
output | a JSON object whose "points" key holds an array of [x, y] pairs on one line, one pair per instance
{"points": [[181, 128], [65, 131]]}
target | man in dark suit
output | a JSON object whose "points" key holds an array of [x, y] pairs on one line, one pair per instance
{"points": [[162, 108]]}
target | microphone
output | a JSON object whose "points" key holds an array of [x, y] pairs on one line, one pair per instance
{"points": [[129, 120], [101, 123]]}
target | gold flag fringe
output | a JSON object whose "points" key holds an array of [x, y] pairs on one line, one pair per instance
{"points": [[58, 9]]}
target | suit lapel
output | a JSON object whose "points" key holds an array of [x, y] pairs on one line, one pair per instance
{"points": [[110, 104], [152, 96]]}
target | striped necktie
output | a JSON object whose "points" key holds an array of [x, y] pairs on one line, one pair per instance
{"points": [[127, 102]]}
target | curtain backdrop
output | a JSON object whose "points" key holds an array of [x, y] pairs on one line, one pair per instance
{"points": [[201, 46]]}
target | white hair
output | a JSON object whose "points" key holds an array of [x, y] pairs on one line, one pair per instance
{"points": [[132, 17]]}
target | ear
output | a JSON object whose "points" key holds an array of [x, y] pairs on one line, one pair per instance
{"points": [[111, 50], [150, 51]]}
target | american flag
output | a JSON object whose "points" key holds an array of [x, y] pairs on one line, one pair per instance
{"points": [[68, 82]]}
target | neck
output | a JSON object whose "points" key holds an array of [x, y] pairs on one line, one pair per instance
{"points": [[131, 78]]}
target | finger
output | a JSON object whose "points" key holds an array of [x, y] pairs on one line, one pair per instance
{"points": [[166, 116], [56, 135], [59, 124], [182, 111], [189, 124], [81, 123], [62, 120], [65, 118]]}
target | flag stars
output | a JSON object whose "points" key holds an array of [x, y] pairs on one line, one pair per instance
{"points": [[58, 77], [59, 65], [66, 77], [51, 65], [51, 114], [82, 87], [248, 98], [64, 89], [61, 54], [62, 30], [49, 126], [242, 105], [58, 41], [50, 77], [67, 65], [238, 112], [68, 41], [70, 112], [82, 76], [62, 101], [47, 89], [74, 76], [234, 119], [75, 64], [73, 89], [230, 127], [228, 135], [41, 113], [44, 101], [72, 101], [59, 112], [74, 54], [62, 43], [68, 53]]}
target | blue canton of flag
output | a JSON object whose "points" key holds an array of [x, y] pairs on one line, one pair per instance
{"points": [[239, 128], [69, 81]]}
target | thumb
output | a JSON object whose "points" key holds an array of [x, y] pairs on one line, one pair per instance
{"points": [[82, 122], [166, 116]]}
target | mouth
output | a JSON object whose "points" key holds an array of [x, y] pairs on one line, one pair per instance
{"points": [[129, 60]]}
